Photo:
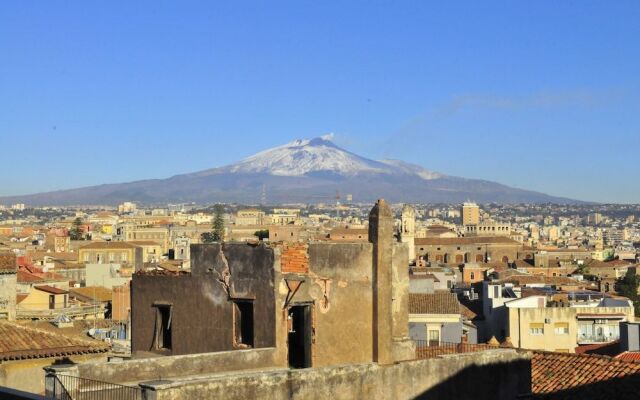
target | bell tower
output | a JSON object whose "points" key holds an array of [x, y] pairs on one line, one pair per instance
{"points": [[408, 230]]}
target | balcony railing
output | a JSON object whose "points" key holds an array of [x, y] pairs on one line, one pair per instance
{"points": [[432, 349], [597, 338], [46, 313], [66, 387]]}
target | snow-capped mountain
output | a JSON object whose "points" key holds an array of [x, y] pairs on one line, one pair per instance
{"points": [[319, 155], [303, 171], [301, 157]]}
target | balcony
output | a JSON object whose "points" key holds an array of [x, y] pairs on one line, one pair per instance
{"points": [[588, 339]]}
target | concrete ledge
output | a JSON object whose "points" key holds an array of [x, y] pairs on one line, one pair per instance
{"points": [[493, 374], [160, 368]]}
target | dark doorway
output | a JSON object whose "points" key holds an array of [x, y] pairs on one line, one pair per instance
{"points": [[163, 327], [243, 323], [299, 323]]}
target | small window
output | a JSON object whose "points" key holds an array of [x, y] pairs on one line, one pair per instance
{"points": [[243, 323], [434, 337], [473, 276], [561, 328], [536, 329], [162, 339]]}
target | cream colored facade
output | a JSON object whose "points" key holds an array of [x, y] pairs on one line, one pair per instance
{"points": [[284, 219], [490, 228], [41, 300], [130, 233], [249, 217], [151, 251], [107, 253], [536, 326], [408, 230], [470, 214]]}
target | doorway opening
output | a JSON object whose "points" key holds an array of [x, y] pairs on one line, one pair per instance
{"points": [[300, 332], [243, 323]]}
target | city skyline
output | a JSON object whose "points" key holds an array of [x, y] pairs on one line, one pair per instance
{"points": [[529, 96]]}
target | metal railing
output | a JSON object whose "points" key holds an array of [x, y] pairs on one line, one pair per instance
{"points": [[433, 349], [597, 338], [67, 387], [46, 313]]}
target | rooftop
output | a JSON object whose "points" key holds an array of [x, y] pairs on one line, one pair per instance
{"points": [[107, 245], [20, 342], [431, 241], [553, 372], [97, 293], [51, 289], [439, 302]]}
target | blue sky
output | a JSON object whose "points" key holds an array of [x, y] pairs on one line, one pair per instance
{"points": [[543, 95]]}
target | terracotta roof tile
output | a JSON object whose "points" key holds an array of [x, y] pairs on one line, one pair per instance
{"points": [[21, 342], [629, 356], [554, 372], [51, 289], [440, 302], [97, 293]]}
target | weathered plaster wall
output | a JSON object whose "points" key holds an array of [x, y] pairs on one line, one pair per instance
{"points": [[495, 375], [339, 284], [202, 316], [138, 370], [27, 375]]}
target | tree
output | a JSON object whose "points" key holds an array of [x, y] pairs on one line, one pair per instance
{"points": [[76, 232], [217, 234], [262, 234], [627, 286]]}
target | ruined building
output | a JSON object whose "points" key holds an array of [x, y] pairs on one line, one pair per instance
{"points": [[317, 304]]}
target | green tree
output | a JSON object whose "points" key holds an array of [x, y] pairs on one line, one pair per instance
{"points": [[262, 234], [627, 286], [76, 232], [217, 234]]}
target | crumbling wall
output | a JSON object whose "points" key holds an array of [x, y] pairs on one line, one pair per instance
{"points": [[495, 375], [202, 310], [156, 368], [339, 284]]}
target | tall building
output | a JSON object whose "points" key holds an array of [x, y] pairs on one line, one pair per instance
{"points": [[470, 214], [594, 219]]}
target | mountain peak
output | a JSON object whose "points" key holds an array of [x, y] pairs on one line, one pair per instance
{"points": [[324, 140], [303, 156]]}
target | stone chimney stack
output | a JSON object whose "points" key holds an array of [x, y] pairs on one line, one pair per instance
{"points": [[381, 229]]}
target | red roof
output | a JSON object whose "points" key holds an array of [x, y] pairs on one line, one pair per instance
{"points": [[24, 276], [21, 342], [51, 289], [557, 372], [629, 356]]}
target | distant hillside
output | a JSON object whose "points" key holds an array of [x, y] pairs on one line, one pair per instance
{"points": [[309, 171]]}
